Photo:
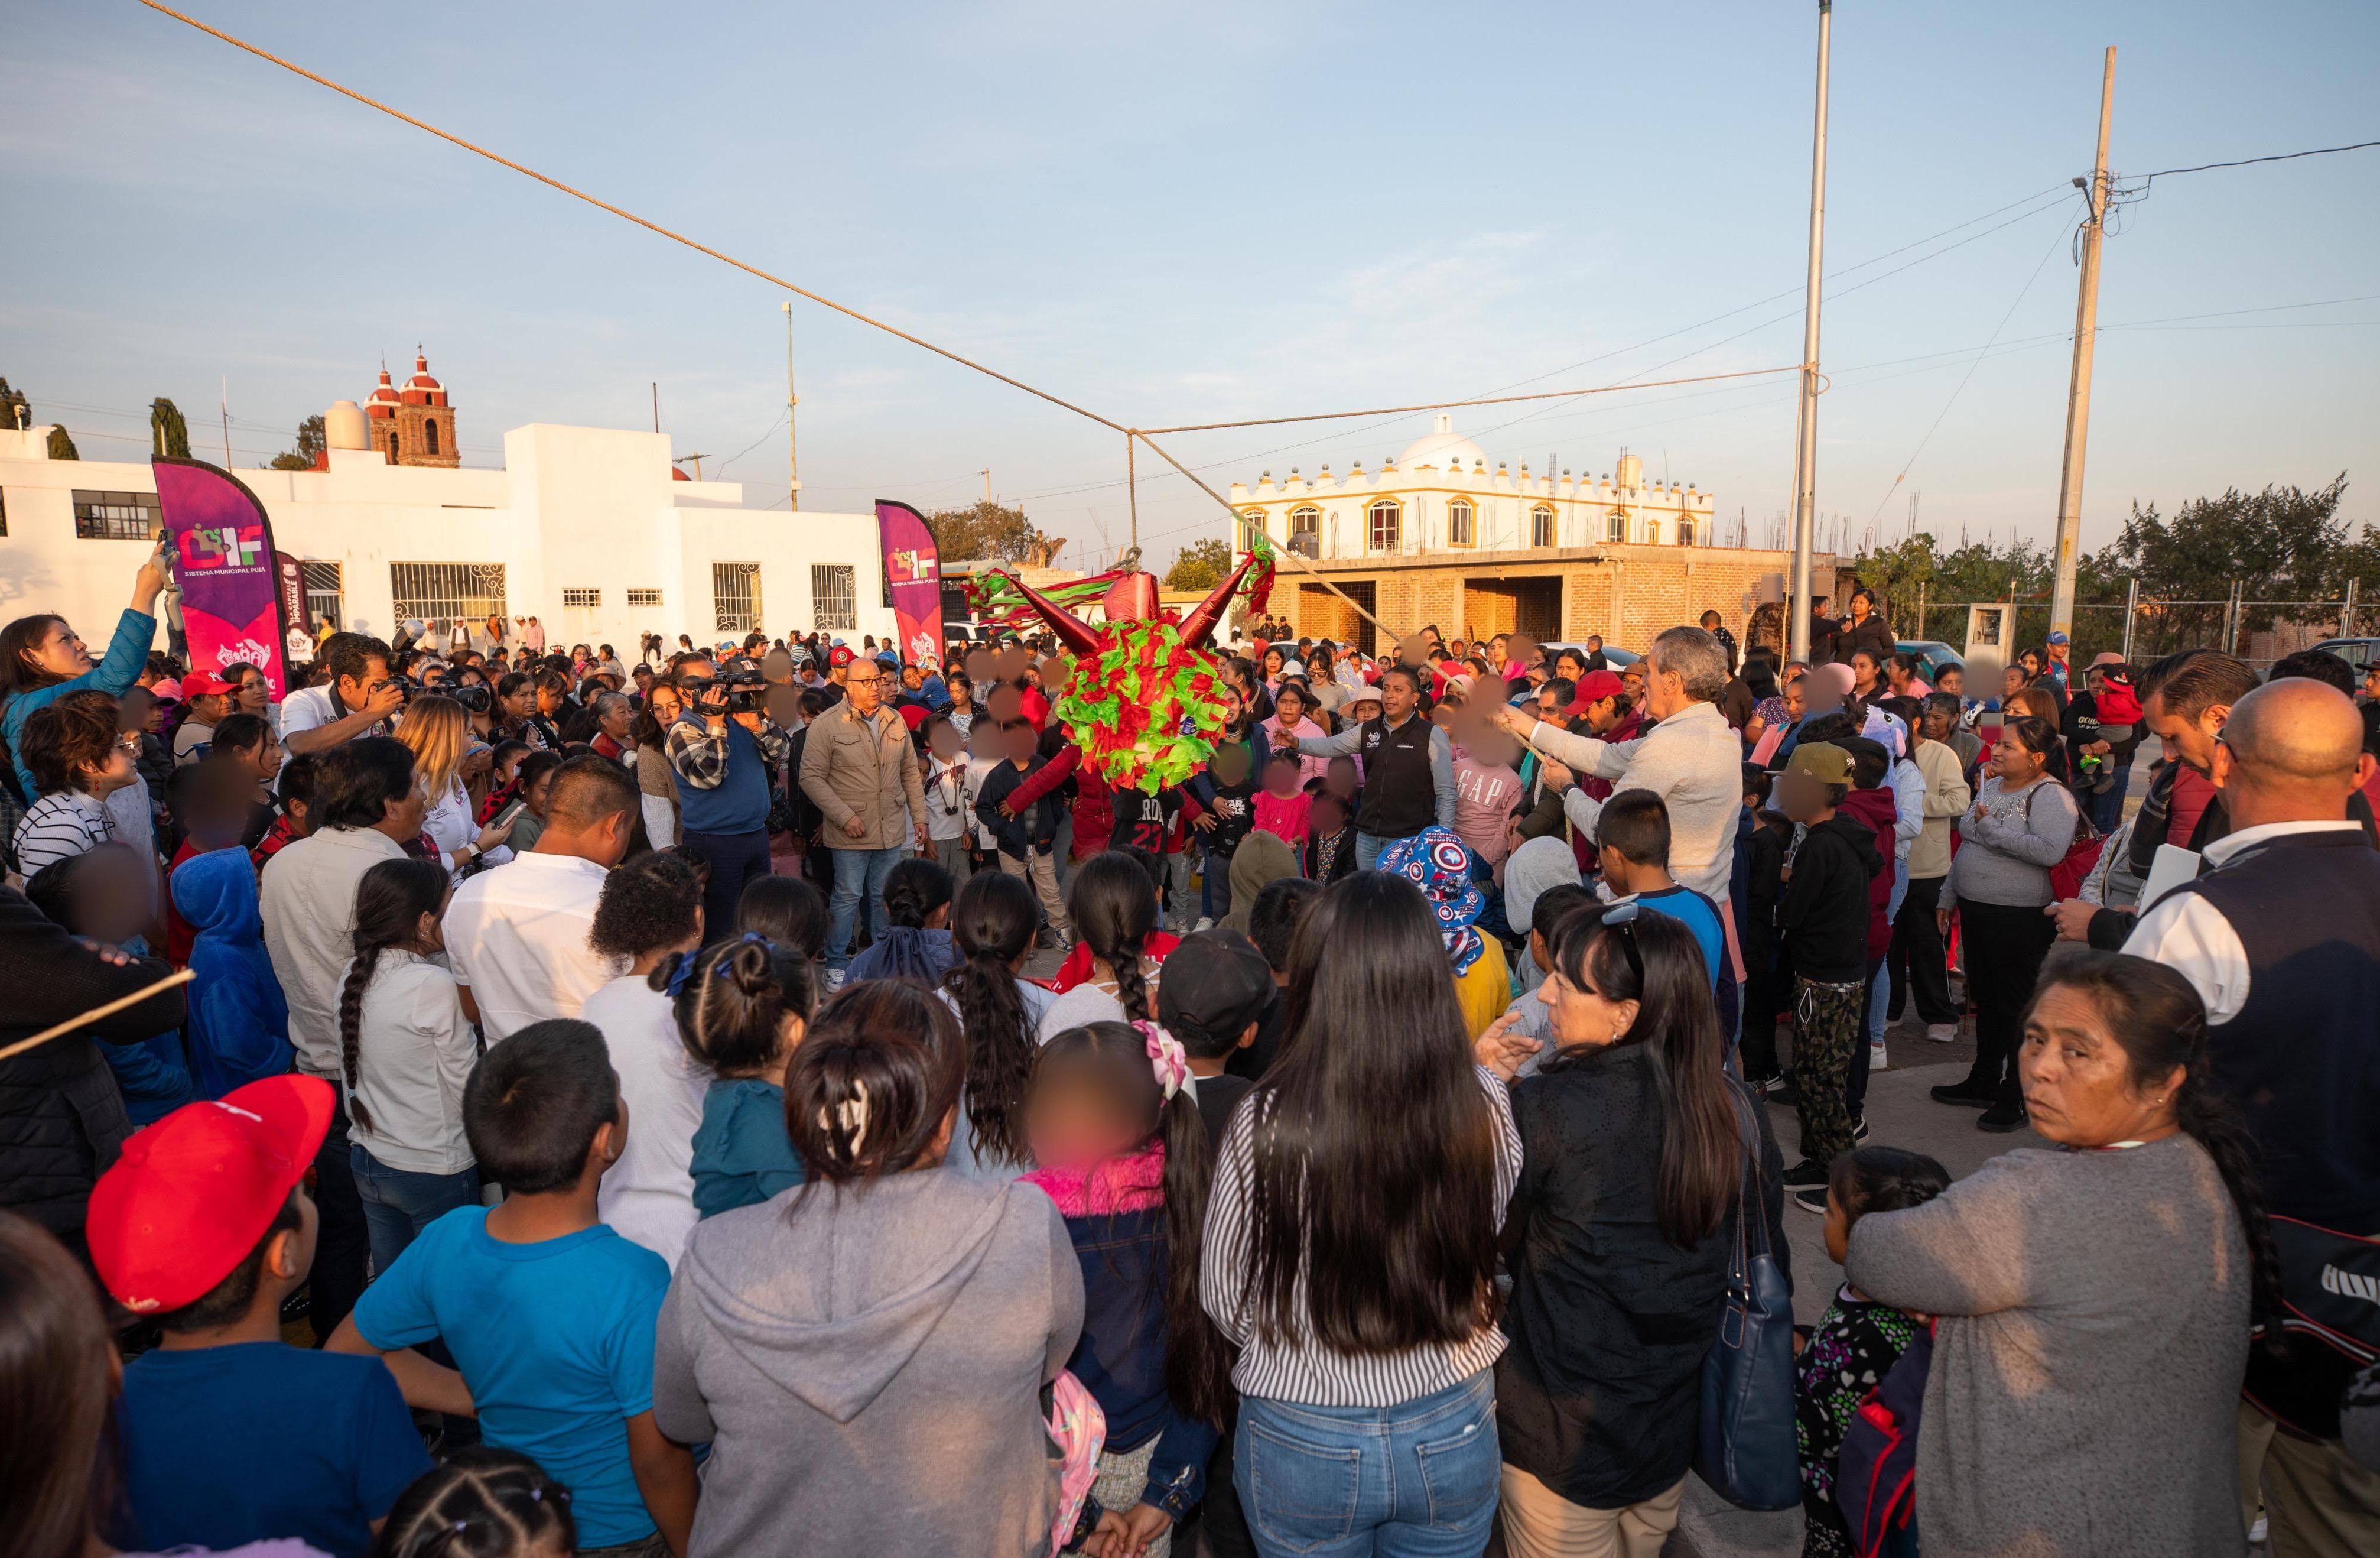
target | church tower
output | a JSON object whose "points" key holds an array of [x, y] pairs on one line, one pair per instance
{"points": [[414, 425]]}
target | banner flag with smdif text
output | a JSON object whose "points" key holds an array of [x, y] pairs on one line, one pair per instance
{"points": [[224, 566], [914, 569]]}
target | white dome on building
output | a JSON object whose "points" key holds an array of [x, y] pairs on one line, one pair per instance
{"points": [[1441, 446]]}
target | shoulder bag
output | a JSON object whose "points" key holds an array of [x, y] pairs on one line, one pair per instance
{"points": [[1745, 1445]]}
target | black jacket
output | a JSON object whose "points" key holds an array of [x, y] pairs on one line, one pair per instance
{"points": [[1766, 851], [1823, 918], [1871, 635], [1609, 1322], [62, 1119]]}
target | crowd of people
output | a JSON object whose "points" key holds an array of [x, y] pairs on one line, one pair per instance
{"points": [[778, 1097]]}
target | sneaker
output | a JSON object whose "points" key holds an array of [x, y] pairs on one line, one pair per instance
{"points": [[1807, 1174], [1047, 940], [834, 977], [1782, 1092], [1876, 1061], [1811, 1200], [1964, 1096], [1942, 1032], [1859, 1128], [1206, 922], [2256, 1532], [2001, 1118]]}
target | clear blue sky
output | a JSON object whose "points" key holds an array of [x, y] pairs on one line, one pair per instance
{"points": [[1193, 212]]}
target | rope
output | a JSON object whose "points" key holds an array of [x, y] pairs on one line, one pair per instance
{"points": [[645, 222], [1451, 405]]}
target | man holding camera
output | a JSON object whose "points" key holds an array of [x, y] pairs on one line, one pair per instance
{"points": [[358, 700], [722, 751], [860, 768]]}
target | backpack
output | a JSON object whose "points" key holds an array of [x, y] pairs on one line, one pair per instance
{"points": [[1876, 1471]]}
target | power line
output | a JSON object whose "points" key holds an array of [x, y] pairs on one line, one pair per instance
{"points": [[2250, 162]]}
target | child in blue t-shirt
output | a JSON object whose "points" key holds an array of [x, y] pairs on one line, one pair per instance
{"points": [[1632, 838], [231, 1435], [742, 1008], [548, 1312]]}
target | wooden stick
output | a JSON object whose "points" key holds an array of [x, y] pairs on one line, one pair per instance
{"points": [[179, 975]]}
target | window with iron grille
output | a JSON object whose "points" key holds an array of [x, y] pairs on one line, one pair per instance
{"points": [[1384, 516], [735, 597], [326, 595], [644, 597], [834, 592], [582, 597], [439, 593], [117, 516]]}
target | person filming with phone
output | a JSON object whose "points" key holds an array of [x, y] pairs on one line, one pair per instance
{"points": [[722, 751], [43, 659]]}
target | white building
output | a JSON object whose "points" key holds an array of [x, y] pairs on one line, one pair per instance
{"points": [[592, 530], [1439, 497]]}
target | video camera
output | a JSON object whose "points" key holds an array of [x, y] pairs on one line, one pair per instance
{"points": [[739, 691]]}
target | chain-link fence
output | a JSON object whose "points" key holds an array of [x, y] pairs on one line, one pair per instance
{"points": [[2142, 629]]}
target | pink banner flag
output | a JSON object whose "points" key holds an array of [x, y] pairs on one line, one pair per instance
{"points": [[224, 566], [913, 568]]}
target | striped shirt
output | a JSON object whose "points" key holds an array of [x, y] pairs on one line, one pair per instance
{"points": [[59, 826], [1299, 1369]]}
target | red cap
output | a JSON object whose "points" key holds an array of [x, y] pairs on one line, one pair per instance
{"points": [[192, 1194], [840, 657], [914, 715], [1594, 688], [203, 684]]}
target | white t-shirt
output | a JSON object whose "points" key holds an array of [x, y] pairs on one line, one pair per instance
{"points": [[414, 1053], [299, 644], [516, 936], [649, 1194], [310, 921], [59, 826], [309, 707], [951, 791]]}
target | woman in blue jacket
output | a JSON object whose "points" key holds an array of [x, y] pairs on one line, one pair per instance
{"points": [[43, 659]]}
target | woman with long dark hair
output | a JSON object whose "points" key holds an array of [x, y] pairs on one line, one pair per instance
{"points": [[915, 943], [878, 1340], [43, 659], [1350, 1245], [1113, 907], [1619, 1233], [2093, 1304], [2023, 822], [406, 1049], [992, 925]]}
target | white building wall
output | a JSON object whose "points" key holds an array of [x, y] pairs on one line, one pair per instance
{"points": [[1501, 505], [573, 508]]}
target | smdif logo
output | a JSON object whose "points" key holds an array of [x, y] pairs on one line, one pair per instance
{"points": [[229, 546], [908, 567]]}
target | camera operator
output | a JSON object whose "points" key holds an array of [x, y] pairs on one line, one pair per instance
{"points": [[358, 697], [722, 751]]}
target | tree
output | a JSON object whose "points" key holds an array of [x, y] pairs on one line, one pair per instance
{"points": [[309, 444], [169, 434], [1202, 565], [989, 533], [15, 411], [61, 446]]}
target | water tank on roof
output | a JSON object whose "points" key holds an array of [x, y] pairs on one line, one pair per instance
{"points": [[1630, 472], [343, 426]]}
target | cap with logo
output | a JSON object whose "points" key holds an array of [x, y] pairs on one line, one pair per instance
{"points": [[204, 684], [191, 1195], [840, 657], [1822, 760]]}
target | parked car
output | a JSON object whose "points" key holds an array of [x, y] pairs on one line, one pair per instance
{"points": [[2362, 653], [1932, 654], [1614, 656]]}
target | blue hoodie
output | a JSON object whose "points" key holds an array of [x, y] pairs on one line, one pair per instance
{"points": [[238, 1022]]}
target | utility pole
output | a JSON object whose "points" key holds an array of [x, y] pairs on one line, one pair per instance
{"points": [[226, 403], [1806, 448], [2078, 392], [792, 459], [657, 406], [1132, 487], [986, 486]]}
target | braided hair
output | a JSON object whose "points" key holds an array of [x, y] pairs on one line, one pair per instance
{"points": [[2156, 1017], [390, 902], [482, 1503], [1114, 911], [993, 922]]}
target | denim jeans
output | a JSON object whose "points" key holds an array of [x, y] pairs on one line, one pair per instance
{"points": [[857, 873], [1418, 1480], [399, 1203], [1368, 848], [1880, 996], [2106, 807], [736, 859]]}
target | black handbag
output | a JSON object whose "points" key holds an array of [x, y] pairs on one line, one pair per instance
{"points": [[1745, 1447]]}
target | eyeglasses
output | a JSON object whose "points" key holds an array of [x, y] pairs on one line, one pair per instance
{"points": [[1622, 918], [130, 741]]}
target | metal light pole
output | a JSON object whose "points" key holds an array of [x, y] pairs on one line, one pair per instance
{"points": [[792, 459], [1805, 447], [2078, 392]]}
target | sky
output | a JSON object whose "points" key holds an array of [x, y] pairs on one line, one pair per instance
{"points": [[1173, 213]]}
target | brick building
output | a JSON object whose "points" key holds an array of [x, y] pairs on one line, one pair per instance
{"points": [[414, 425], [1433, 537]]}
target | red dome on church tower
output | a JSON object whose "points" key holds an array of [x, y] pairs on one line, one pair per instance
{"points": [[421, 389], [383, 401]]}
